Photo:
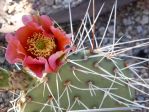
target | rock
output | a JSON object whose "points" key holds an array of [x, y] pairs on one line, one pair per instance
{"points": [[145, 20], [1, 100], [146, 11], [56, 6], [128, 36], [4, 95], [145, 75], [143, 71], [120, 34], [140, 98], [129, 28], [42, 10], [49, 2], [58, 1], [10, 95], [111, 29], [5, 109], [1, 25], [67, 1], [127, 21], [19, 8], [11, 9], [101, 30], [7, 102], [138, 19], [139, 29], [2, 105], [2, 60]]}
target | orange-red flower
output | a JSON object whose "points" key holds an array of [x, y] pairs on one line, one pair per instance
{"points": [[38, 45]]}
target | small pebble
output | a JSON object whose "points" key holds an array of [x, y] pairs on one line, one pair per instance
{"points": [[1, 100], [101, 30], [2, 105], [139, 29], [2, 59], [111, 29], [4, 95], [146, 12], [49, 2], [1, 25], [145, 20], [127, 21]]}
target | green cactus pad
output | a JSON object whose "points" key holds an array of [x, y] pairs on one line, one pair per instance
{"points": [[81, 84], [21, 80], [4, 77], [16, 80]]}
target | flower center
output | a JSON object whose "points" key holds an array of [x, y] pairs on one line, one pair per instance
{"points": [[40, 45]]}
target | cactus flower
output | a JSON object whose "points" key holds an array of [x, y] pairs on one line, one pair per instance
{"points": [[38, 45]]}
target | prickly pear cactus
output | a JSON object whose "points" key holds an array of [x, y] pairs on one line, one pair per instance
{"points": [[21, 80], [88, 81], [4, 79], [84, 82]]}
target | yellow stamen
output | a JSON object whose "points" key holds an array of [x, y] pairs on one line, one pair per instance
{"points": [[40, 45]]}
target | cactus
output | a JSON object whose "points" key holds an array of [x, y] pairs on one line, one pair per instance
{"points": [[4, 79], [78, 85], [21, 80], [89, 80]]}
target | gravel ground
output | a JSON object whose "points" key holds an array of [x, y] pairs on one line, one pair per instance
{"points": [[51, 6], [132, 21], [11, 11], [5, 97]]}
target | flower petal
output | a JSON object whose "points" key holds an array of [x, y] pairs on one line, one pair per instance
{"points": [[14, 52], [24, 32], [9, 37], [37, 66], [54, 60], [48, 69], [46, 22], [61, 37], [43, 21], [26, 19]]}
